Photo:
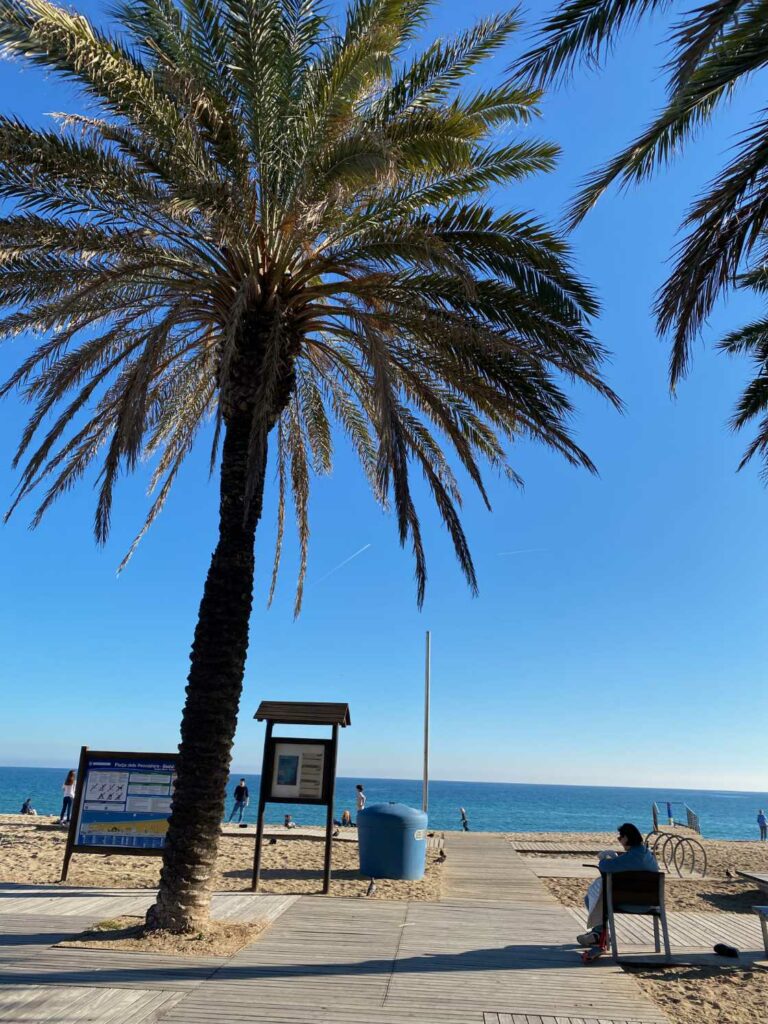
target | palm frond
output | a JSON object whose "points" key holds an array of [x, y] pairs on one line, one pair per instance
{"points": [[580, 31], [279, 228]]}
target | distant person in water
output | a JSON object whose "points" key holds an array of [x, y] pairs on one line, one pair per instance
{"points": [[762, 821], [636, 857], [68, 791], [346, 819], [242, 797], [289, 822], [359, 798], [464, 819], [27, 808]]}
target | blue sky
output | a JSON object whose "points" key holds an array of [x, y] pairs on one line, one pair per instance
{"points": [[619, 636]]}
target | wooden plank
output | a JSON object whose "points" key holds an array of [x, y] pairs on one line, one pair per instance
{"points": [[497, 950], [760, 880], [689, 931], [555, 847], [74, 1005], [98, 904], [63, 967], [560, 867], [488, 868], [303, 713]]}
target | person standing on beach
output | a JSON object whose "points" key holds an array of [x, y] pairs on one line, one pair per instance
{"points": [[68, 789], [762, 821], [242, 799], [359, 798]]}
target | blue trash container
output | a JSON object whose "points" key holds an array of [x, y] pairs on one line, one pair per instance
{"points": [[392, 841]]}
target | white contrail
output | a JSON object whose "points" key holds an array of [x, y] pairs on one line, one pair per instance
{"points": [[521, 551], [342, 564]]}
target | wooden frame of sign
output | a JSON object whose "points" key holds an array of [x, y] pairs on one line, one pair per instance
{"points": [[87, 757], [299, 770]]}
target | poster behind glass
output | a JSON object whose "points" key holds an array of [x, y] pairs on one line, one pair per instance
{"points": [[298, 771]]}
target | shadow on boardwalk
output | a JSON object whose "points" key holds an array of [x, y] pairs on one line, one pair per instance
{"points": [[500, 958]]}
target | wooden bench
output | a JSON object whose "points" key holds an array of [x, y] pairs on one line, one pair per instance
{"points": [[761, 881], [762, 913]]}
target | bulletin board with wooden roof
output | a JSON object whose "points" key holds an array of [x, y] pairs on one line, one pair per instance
{"points": [[299, 770]]}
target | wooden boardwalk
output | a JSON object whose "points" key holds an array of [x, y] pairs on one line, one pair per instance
{"points": [[562, 867], [497, 949], [79, 1005], [554, 847], [574, 867], [690, 932], [96, 903], [487, 868]]}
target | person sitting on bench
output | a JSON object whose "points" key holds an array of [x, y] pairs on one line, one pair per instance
{"points": [[636, 857]]}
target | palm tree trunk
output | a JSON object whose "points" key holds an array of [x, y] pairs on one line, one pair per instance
{"points": [[214, 686]]}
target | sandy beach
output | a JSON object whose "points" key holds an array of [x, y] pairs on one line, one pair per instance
{"points": [[32, 851]]}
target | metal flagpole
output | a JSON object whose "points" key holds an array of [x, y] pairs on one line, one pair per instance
{"points": [[427, 672]]}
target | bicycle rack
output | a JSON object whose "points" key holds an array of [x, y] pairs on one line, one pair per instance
{"points": [[677, 852]]}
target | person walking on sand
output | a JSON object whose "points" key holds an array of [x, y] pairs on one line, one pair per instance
{"points": [[242, 799], [762, 821], [68, 790], [359, 798]]}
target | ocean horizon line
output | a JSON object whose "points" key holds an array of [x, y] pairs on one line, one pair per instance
{"points": [[471, 782]]}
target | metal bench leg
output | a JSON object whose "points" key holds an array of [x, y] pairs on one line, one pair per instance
{"points": [[764, 926], [608, 911], [665, 933], [656, 936], [612, 932]]}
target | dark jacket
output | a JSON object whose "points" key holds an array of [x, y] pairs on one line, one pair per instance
{"points": [[241, 794]]}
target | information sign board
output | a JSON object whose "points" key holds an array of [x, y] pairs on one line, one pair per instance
{"points": [[298, 771], [126, 802], [122, 803]]}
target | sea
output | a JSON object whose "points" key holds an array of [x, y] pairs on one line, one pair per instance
{"points": [[490, 806]]}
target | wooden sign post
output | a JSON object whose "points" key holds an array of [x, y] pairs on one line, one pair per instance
{"points": [[299, 770]]}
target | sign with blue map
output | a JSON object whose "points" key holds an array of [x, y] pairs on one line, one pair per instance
{"points": [[124, 802], [299, 770]]}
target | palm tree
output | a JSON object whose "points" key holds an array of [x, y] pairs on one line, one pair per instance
{"points": [[276, 227], [712, 48]]}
